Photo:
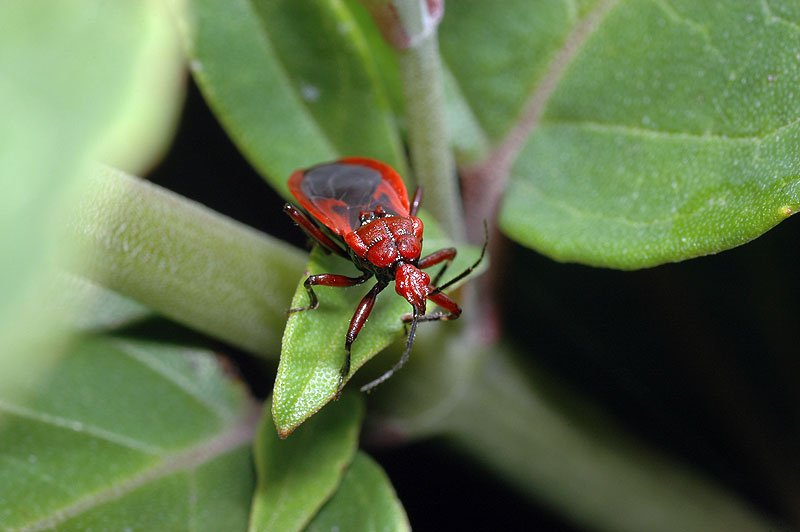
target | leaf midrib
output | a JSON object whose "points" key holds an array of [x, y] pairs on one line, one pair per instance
{"points": [[231, 438], [504, 153]]}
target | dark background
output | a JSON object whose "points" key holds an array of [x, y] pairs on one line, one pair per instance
{"points": [[698, 359]]}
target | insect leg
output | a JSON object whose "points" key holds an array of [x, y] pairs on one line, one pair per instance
{"points": [[356, 324], [326, 279], [453, 311], [445, 255], [466, 272], [313, 232], [403, 359]]}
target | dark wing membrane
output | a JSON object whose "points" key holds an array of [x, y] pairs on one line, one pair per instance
{"points": [[337, 193]]}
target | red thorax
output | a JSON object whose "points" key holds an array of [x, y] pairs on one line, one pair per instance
{"points": [[389, 241]]}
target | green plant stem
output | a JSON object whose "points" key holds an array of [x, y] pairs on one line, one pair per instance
{"points": [[549, 442], [562, 451], [185, 261], [431, 158]]}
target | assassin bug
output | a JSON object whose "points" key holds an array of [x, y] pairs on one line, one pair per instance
{"points": [[358, 208]]}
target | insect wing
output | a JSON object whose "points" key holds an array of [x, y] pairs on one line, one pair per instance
{"points": [[337, 193]]}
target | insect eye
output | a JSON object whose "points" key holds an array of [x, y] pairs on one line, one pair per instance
{"points": [[366, 216]]}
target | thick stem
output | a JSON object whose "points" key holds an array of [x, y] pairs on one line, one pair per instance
{"points": [[556, 447], [551, 443], [431, 157], [185, 261]]}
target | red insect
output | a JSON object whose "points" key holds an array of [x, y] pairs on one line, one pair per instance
{"points": [[358, 208]]}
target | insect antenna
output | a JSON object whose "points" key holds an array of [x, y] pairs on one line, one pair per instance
{"points": [[403, 359], [468, 270]]}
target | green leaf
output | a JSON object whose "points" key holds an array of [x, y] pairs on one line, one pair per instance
{"points": [[294, 83], [313, 341], [146, 122], [364, 501], [297, 475], [123, 433], [672, 133], [185, 261]]}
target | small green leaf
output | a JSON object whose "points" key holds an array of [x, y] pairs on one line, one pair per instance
{"points": [[294, 83], [116, 427], [297, 475], [313, 341], [673, 133], [365, 501]]}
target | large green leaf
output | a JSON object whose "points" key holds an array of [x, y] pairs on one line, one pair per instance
{"points": [[313, 341], [651, 131], [294, 83], [296, 476], [365, 501], [122, 433]]}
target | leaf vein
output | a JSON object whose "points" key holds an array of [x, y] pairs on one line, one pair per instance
{"points": [[495, 169], [632, 130], [173, 377], [230, 439], [771, 17], [701, 29], [80, 427]]}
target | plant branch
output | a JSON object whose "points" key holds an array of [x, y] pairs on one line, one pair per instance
{"points": [[431, 158], [185, 261], [410, 27], [556, 447]]}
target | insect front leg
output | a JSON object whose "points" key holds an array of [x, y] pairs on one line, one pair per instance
{"points": [[445, 255], [469, 270], [326, 279]]}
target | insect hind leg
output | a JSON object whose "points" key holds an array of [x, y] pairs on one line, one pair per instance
{"points": [[451, 310]]}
